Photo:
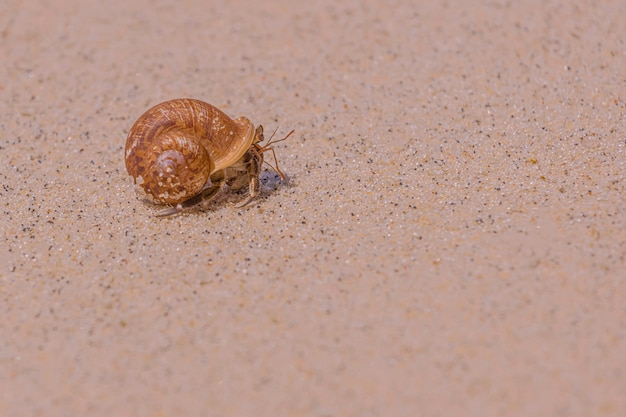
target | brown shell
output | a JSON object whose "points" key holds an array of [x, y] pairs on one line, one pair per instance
{"points": [[174, 147]]}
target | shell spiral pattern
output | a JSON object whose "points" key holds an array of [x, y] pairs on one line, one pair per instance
{"points": [[174, 147]]}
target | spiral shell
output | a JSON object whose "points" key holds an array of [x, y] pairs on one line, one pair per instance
{"points": [[173, 148]]}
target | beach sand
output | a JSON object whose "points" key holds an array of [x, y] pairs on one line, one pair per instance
{"points": [[451, 240]]}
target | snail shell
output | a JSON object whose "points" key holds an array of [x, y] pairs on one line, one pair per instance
{"points": [[173, 148]]}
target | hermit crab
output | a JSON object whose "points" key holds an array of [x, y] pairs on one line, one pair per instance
{"points": [[185, 152]]}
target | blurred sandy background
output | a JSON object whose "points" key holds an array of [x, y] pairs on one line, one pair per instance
{"points": [[452, 241]]}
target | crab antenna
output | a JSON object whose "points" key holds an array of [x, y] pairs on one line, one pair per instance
{"points": [[272, 135], [270, 142], [267, 147]]}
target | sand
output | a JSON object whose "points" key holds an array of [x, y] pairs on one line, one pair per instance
{"points": [[451, 240]]}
